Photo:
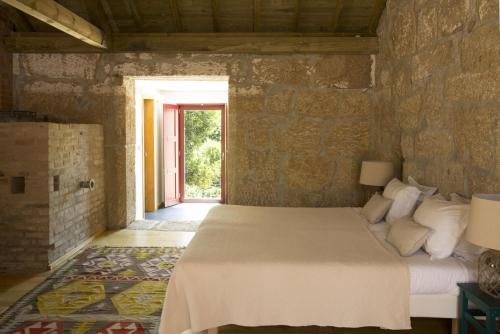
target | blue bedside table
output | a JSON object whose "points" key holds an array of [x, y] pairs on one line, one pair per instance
{"points": [[486, 306]]}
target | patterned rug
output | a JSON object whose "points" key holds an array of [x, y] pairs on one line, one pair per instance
{"points": [[102, 290], [166, 225]]}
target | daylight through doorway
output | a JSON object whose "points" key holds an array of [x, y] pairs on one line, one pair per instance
{"points": [[203, 152]]}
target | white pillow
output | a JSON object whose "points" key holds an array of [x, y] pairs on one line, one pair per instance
{"points": [[407, 236], [426, 190], [404, 198], [445, 219], [376, 208]]}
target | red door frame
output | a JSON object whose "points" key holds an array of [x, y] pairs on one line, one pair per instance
{"points": [[215, 106]]}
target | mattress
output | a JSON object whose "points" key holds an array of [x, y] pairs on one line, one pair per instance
{"points": [[431, 277]]}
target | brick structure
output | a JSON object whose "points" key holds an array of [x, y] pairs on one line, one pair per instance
{"points": [[5, 66], [43, 211]]}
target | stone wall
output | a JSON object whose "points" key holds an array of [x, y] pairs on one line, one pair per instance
{"points": [[5, 65], [298, 125], [40, 220], [438, 92], [76, 154]]}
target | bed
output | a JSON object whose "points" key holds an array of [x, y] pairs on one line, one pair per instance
{"points": [[255, 266]]}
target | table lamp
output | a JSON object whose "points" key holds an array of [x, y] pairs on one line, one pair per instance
{"points": [[376, 173], [484, 230]]}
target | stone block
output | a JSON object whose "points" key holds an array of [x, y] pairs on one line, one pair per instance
{"points": [[408, 112], [343, 72], [280, 70], [427, 23], [488, 9], [453, 15], [474, 87], [348, 137], [480, 50], [433, 145], [435, 59], [404, 27]]}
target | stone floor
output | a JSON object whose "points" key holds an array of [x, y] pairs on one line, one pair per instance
{"points": [[14, 287], [182, 212]]}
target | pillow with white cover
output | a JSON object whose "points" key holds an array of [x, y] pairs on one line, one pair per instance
{"points": [[465, 250], [376, 208], [427, 191], [445, 219], [407, 236], [404, 198]]}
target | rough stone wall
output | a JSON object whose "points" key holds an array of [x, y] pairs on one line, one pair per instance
{"points": [[24, 217], [76, 154], [438, 82], [298, 125], [5, 66]]}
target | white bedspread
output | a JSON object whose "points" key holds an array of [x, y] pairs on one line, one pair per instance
{"points": [[432, 277], [255, 266]]}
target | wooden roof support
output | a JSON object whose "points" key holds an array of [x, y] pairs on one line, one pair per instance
{"points": [[215, 15], [228, 43], [176, 16], [134, 12], [61, 18], [337, 15], [378, 9], [109, 14], [256, 15], [20, 22], [96, 15], [297, 15]]}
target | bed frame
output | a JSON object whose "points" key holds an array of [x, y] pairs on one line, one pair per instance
{"points": [[424, 306]]}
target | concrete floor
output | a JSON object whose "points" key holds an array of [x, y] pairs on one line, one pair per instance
{"points": [[182, 212]]}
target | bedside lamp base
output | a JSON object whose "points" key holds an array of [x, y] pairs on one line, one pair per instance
{"points": [[489, 273]]}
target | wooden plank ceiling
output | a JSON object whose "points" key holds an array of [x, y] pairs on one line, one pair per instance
{"points": [[298, 18]]}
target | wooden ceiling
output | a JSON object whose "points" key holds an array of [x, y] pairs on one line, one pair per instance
{"points": [[305, 18]]}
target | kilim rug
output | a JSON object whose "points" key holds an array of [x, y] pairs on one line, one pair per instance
{"points": [[112, 290]]}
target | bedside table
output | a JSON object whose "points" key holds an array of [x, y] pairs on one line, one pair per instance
{"points": [[486, 306]]}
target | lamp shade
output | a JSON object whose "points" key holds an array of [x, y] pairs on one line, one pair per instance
{"points": [[376, 173], [484, 221]]}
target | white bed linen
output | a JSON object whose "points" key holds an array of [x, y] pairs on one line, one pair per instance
{"points": [[428, 276]]}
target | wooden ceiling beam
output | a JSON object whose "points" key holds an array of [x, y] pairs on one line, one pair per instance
{"points": [[134, 12], [20, 22], [96, 14], [378, 9], [175, 14], [61, 18], [337, 15], [228, 43], [297, 15], [215, 15], [109, 14], [256, 16]]}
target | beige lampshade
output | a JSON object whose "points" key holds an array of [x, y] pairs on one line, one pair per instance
{"points": [[376, 173], [484, 221]]}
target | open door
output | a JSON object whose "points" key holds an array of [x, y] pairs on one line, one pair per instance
{"points": [[171, 154], [149, 156]]}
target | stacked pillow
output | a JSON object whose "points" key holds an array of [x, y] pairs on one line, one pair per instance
{"points": [[436, 224], [404, 198]]}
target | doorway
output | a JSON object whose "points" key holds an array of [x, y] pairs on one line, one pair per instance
{"points": [[203, 152], [180, 150], [194, 153]]}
